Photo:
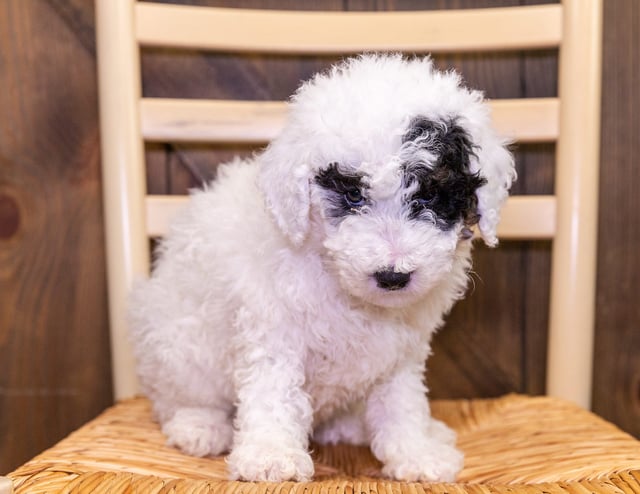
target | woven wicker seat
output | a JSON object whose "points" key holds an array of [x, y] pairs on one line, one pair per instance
{"points": [[513, 444]]}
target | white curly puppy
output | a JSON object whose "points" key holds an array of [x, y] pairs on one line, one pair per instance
{"points": [[297, 295]]}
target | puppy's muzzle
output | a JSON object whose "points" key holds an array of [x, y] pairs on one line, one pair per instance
{"points": [[390, 279]]}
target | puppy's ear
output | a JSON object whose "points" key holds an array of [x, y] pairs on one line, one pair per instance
{"points": [[497, 167], [284, 183]]}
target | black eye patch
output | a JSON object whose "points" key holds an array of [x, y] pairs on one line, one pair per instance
{"points": [[346, 191], [445, 190]]}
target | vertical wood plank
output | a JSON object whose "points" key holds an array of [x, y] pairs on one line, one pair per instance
{"points": [[616, 393], [53, 322]]}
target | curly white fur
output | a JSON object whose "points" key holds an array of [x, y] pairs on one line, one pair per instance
{"points": [[264, 323]]}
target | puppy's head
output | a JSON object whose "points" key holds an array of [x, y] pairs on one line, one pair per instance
{"points": [[391, 163]]}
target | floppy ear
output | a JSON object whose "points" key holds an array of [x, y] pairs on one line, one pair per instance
{"points": [[284, 183], [496, 165]]}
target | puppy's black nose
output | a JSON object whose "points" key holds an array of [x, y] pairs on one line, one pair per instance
{"points": [[391, 280]]}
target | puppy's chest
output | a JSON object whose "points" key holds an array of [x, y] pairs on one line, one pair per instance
{"points": [[346, 358]]}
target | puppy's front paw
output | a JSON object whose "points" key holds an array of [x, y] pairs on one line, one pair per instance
{"points": [[436, 462], [441, 432], [270, 463]]}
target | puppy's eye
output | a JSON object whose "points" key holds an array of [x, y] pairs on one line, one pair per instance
{"points": [[423, 202], [420, 203], [354, 198]]}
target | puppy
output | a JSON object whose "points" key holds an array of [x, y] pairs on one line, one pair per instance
{"points": [[297, 295]]}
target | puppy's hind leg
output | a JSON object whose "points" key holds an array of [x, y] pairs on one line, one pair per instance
{"points": [[345, 427], [199, 431]]}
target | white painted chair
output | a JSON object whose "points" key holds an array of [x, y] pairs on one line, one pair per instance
{"points": [[569, 218]]}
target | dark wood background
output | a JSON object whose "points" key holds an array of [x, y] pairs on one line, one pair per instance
{"points": [[54, 352]]}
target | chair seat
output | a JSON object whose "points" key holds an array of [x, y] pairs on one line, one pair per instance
{"points": [[513, 443]]}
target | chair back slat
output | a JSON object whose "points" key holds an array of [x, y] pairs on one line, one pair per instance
{"points": [[523, 217], [293, 32], [176, 120]]}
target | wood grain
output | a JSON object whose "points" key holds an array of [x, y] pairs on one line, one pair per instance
{"points": [[617, 347], [53, 324]]}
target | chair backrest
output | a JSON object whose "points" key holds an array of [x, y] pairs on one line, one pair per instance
{"points": [[571, 120]]}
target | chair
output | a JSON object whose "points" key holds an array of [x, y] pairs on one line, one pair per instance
{"points": [[513, 443]]}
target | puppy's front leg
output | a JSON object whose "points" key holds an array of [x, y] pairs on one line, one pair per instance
{"points": [[274, 414], [411, 445]]}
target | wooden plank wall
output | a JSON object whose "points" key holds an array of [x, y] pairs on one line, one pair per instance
{"points": [[53, 319], [54, 371], [617, 346]]}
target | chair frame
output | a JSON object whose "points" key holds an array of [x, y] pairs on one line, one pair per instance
{"points": [[573, 120]]}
